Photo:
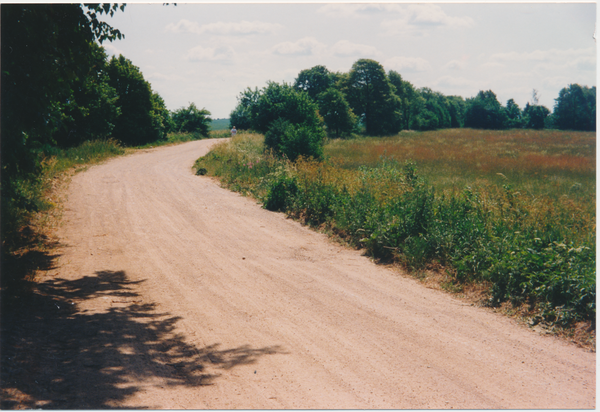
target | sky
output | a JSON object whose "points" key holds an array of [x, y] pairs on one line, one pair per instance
{"points": [[208, 53]]}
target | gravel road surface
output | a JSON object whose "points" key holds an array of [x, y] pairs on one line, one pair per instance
{"points": [[181, 294]]}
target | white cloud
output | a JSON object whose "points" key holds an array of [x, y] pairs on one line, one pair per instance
{"points": [[417, 17], [200, 53], [358, 10], [455, 65], [407, 64], [557, 82], [303, 47], [345, 48], [552, 55], [111, 49], [449, 81], [156, 76], [224, 28]]}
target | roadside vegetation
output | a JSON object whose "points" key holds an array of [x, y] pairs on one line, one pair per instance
{"points": [[511, 211], [494, 196], [66, 104]]}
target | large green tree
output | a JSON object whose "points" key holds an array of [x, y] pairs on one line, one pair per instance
{"points": [[138, 121], [92, 111], [336, 112], [285, 102], [192, 120], [314, 81], [47, 52], [241, 116], [575, 108], [535, 115], [372, 98], [484, 111], [514, 115]]}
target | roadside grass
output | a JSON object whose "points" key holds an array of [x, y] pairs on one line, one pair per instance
{"points": [[513, 211]]}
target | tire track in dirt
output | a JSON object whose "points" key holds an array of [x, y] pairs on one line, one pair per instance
{"points": [[206, 300]]}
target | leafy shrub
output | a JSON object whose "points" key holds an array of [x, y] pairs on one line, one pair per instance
{"points": [[281, 191], [294, 141]]}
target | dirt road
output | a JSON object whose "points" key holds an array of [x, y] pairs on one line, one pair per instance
{"points": [[171, 292]]}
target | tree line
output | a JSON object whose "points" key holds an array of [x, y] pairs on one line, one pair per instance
{"points": [[60, 89], [369, 99]]}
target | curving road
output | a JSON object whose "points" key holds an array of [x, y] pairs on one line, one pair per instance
{"points": [[186, 295]]}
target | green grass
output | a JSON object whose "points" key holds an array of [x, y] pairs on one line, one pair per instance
{"points": [[219, 124], [511, 209]]}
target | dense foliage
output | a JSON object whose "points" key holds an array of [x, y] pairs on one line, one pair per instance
{"points": [[191, 120], [378, 103], [59, 92]]}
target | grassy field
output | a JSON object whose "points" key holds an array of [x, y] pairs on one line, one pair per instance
{"points": [[514, 210], [219, 124]]}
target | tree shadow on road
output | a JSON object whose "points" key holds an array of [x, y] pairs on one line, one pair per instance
{"points": [[56, 355]]}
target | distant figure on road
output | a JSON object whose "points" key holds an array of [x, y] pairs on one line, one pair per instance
{"points": [[233, 131]]}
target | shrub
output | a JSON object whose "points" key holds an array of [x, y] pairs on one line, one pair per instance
{"points": [[294, 141]]}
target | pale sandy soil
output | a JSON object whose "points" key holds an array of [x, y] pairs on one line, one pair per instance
{"points": [[181, 294]]}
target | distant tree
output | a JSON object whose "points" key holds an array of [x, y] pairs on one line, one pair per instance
{"points": [[485, 112], [514, 115], [575, 108], [137, 123], [411, 102], [336, 112], [284, 101], [372, 98], [314, 81], [456, 108], [241, 116], [192, 120], [435, 114], [535, 116]]}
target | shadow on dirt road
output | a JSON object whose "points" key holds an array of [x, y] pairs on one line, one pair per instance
{"points": [[58, 356]]}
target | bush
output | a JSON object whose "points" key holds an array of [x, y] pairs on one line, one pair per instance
{"points": [[295, 141], [281, 191]]}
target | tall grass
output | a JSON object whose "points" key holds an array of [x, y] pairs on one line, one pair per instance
{"points": [[515, 210]]}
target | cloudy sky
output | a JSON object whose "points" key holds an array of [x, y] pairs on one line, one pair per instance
{"points": [[208, 53]]}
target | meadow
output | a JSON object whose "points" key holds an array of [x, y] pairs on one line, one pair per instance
{"points": [[513, 211]]}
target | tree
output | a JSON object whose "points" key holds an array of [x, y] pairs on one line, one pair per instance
{"points": [[314, 81], [48, 54], [137, 124], [514, 115], [241, 116], [161, 117], [46, 49], [336, 112], [535, 116], [192, 120], [285, 102], [371, 96], [435, 113], [485, 112], [92, 111], [575, 108], [456, 108]]}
